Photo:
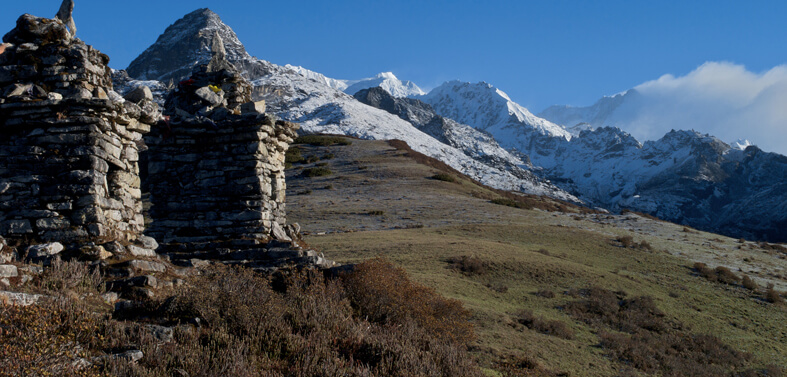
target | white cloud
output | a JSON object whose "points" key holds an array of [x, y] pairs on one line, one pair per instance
{"points": [[722, 99]]}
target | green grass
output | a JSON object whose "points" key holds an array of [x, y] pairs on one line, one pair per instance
{"points": [[577, 260]]}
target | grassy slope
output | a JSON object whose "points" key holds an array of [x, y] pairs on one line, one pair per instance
{"points": [[445, 220]]}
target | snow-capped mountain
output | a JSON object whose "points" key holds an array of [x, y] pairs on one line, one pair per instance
{"points": [[487, 108], [474, 143], [315, 101], [385, 80], [606, 112], [684, 177]]}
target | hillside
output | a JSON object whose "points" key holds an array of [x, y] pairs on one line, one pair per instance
{"points": [[380, 202]]}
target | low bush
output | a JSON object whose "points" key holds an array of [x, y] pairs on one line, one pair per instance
{"points": [[322, 140], [316, 172], [773, 296], [294, 155], [749, 284], [445, 177], [545, 293], [626, 241], [468, 265], [644, 339], [307, 326], [376, 213], [544, 326], [385, 294]]}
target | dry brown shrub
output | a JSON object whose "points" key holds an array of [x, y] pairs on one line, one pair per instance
{"points": [[749, 284], [773, 296], [468, 265], [545, 293], [626, 241], [385, 294], [45, 339], [549, 327], [650, 343], [726, 276]]}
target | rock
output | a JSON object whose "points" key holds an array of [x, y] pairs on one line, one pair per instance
{"points": [[161, 333], [130, 356], [110, 297], [148, 242], [65, 15], [253, 107], [8, 271], [138, 94], [278, 233], [147, 266], [140, 252], [54, 96], [37, 30], [19, 90], [16, 227], [208, 96], [18, 299], [7, 256], [44, 250], [95, 252], [100, 93]]}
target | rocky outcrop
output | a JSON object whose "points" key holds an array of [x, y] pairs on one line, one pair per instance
{"points": [[186, 44], [68, 143]]}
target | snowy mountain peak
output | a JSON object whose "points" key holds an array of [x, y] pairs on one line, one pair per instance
{"points": [[741, 144], [184, 44], [487, 108], [387, 81]]}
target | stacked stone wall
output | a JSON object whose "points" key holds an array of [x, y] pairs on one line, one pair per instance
{"points": [[217, 182], [68, 144]]}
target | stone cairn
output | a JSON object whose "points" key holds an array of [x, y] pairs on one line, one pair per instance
{"points": [[69, 177], [216, 175]]}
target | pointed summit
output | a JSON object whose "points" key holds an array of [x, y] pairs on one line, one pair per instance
{"points": [[184, 44]]}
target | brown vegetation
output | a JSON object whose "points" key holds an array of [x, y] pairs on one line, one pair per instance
{"points": [[544, 326], [636, 333], [468, 265]]}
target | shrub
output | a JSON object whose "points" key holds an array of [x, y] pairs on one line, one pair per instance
{"points": [[645, 245], [316, 172], [385, 294], [726, 276], [545, 293], [375, 213], [548, 327], [749, 284], [648, 342], [294, 155], [512, 203], [445, 177], [773, 296], [468, 265], [45, 339], [626, 241], [322, 140], [543, 251]]}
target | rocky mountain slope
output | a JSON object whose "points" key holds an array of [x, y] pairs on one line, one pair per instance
{"points": [[684, 177], [315, 101]]}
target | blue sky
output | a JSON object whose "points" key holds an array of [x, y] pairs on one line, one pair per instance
{"points": [[539, 52]]}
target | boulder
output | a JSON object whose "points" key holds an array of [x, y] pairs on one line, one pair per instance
{"points": [[208, 96], [45, 250], [253, 107], [138, 94], [8, 271]]}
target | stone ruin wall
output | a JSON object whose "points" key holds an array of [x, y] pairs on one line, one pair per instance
{"points": [[70, 155], [68, 144]]}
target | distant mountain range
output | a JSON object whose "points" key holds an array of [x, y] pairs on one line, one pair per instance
{"points": [[565, 152]]}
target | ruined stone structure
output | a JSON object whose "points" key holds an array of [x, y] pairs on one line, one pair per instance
{"points": [[70, 180], [68, 143], [216, 173]]}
